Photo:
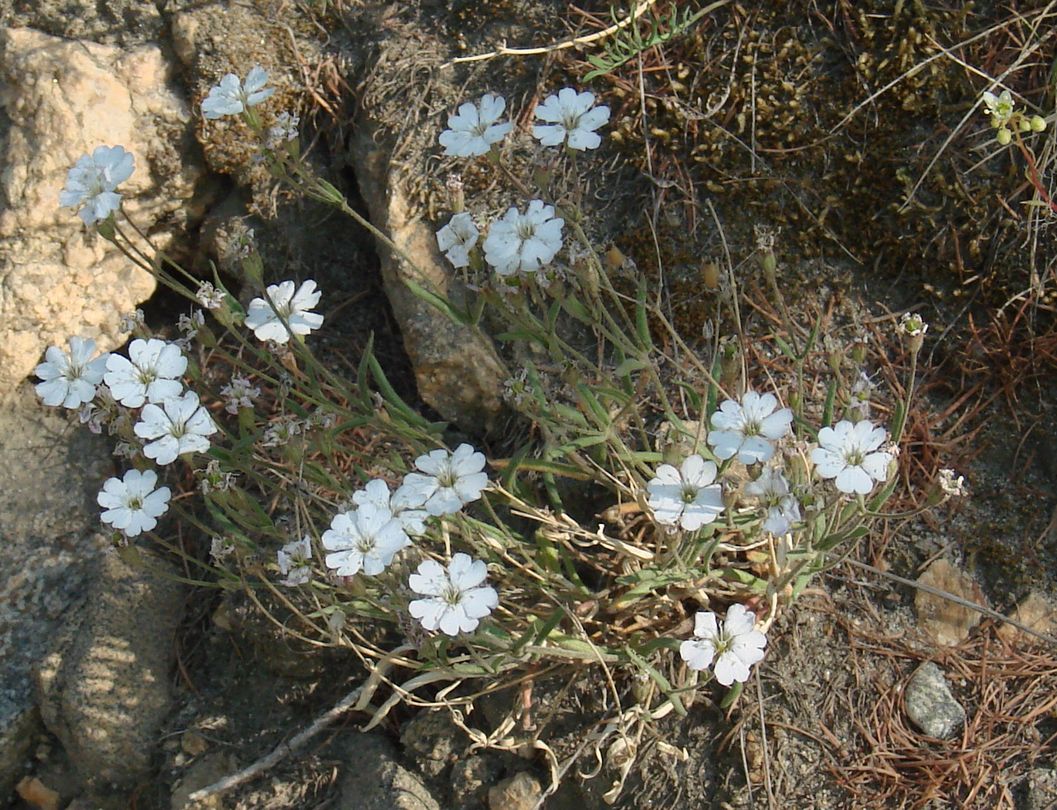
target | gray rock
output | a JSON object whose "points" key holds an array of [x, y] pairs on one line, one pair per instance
{"points": [[929, 702], [522, 791], [470, 779], [1042, 789], [50, 472], [457, 369], [433, 741], [374, 780], [104, 691]]}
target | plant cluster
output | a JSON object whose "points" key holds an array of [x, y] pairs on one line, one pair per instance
{"points": [[651, 495]]}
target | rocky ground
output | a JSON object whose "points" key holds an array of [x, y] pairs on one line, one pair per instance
{"points": [[122, 687]]}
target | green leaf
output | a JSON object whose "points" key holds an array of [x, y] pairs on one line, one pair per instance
{"points": [[440, 303], [659, 679]]}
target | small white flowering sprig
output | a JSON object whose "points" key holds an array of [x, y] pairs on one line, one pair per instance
{"points": [[70, 379], [1006, 119], [783, 509], [730, 650], [405, 504], [180, 425], [458, 238], [150, 373], [132, 503], [687, 497], [850, 454], [233, 97], [446, 481], [749, 429], [285, 302], [456, 597], [951, 484], [294, 561], [524, 242], [476, 128], [570, 118], [91, 183], [364, 539]]}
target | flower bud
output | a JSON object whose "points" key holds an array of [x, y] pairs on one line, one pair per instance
{"points": [[1024, 125], [1004, 136], [710, 275], [614, 259], [1038, 123]]}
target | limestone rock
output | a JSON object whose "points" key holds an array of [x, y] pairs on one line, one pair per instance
{"points": [[457, 370], [62, 99], [374, 780], [49, 476], [929, 702], [104, 691], [521, 791], [942, 620]]}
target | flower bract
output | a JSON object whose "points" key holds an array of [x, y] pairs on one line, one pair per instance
{"points": [[731, 651], [179, 425], [570, 118], [688, 496], [747, 429], [848, 453], [524, 242], [70, 379], [91, 183], [446, 481], [131, 503], [294, 307], [364, 539], [472, 131], [150, 373], [456, 598], [783, 509], [231, 96], [457, 238]]}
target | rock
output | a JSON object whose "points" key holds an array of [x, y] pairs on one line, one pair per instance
{"points": [[123, 22], [1042, 789], [50, 473], [943, 621], [373, 779], [470, 779], [433, 741], [522, 791], [104, 691], [929, 702], [202, 773], [457, 369], [63, 98], [34, 792], [1035, 612]]}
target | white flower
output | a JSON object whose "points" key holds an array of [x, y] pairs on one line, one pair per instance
{"points": [[293, 560], [734, 649], [849, 454], [70, 379], [524, 241], [1000, 107], [570, 118], [473, 130], [284, 129], [457, 238], [231, 97], [209, 296], [91, 182], [151, 373], [450, 481], [746, 429], [457, 600], [364, 539], [404, 504], [783, 510], [239, 393], [953, 484], [292, 306], [686, 497], [132, 503], [179, 426], [912, 325]]}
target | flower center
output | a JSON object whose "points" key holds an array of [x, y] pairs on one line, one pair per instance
{"points": [[147, 376], [751, 427], [854, 457], [689, 493], [447, 477], [526, 230], [571, 121], [451, 595], [135, 503], [365, 545], [722, 643]]}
